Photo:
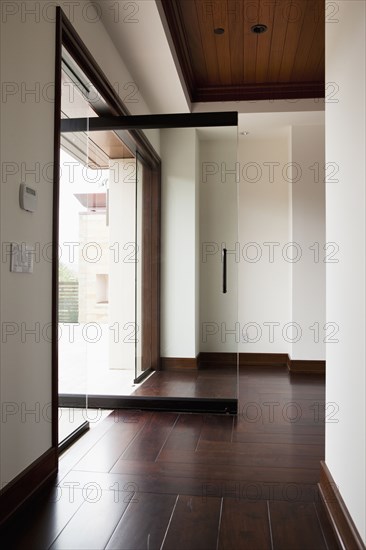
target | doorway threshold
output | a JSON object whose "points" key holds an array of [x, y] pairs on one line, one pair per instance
{"points": [[183, 390], [153, 403]]}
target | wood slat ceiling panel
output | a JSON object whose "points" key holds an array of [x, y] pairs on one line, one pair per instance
{"points": [[276, 55], [250, 40], [286, 61], [236, 22], [296, 20], [317, 51], [312, 31], [223, 52], [189, 18], [319, 73], [208, 41], [267, 13]]}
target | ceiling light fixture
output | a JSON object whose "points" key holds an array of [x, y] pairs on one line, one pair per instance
{"points": [[259, 28], [219, 30]]}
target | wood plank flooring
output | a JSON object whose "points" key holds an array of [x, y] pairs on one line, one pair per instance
{"points": [[211, 383], [171, 481]]}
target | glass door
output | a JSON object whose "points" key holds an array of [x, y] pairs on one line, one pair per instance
{"points": [[219, 257], [145, 283], [198, 264], [157, 239]]}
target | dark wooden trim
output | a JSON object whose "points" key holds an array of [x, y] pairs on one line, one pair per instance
{"points": [[149, 122], [252, 92], [176, 363], [150, 321], [71, 438], [336, 510], [177, 33], [155, 264], [326, 527], [55, 224], [306, 367], [137, 402], [263, 359], [270, 360], [288, 363], [143, 375], [27, 483], [209, 360], [145, 240]]}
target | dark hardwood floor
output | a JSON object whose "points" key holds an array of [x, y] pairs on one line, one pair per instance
{"points": [[145, 480]]}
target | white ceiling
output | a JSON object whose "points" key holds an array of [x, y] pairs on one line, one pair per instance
{"points": [[140, 39]]}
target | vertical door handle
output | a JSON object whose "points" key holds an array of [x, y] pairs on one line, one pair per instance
{"points": [[224, 270]]}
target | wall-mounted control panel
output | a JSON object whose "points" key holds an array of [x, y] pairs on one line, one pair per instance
{"points": [[27, 198]]}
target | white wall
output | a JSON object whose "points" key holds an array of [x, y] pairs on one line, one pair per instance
{"points": [[199, 211], [281, 215], [26, 139], [346, 220], [27, 62], [178, 243], [264, 217], [308, 255]]}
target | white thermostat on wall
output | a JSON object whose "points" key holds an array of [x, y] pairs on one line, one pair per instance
{"points": [[27, 198]]}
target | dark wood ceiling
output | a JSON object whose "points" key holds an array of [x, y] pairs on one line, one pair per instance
{"points": [[286, 61]]}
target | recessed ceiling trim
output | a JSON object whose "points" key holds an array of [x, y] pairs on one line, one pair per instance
{"points": [[174, 27], [253, 92]]}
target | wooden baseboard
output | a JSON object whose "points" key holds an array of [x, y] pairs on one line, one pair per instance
{"points": [[263, 359], [209, 360], [306, 367], [344, 529], [212, 360], [18, 491], [177, 363]]}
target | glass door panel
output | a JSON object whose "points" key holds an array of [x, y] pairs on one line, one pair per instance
{"points": [[199, 263], [72, 313], [141, 260], [219, 329], [116, 272]]}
